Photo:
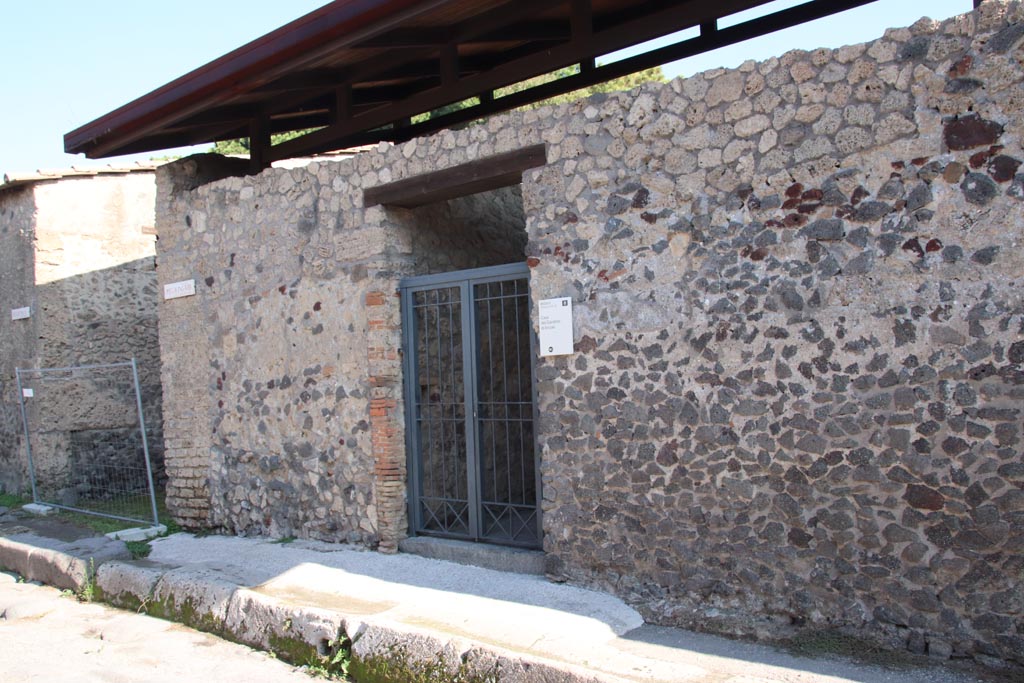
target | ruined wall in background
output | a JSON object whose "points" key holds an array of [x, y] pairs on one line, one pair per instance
{"points": [[84, 262], [796, 393], [17, 337]]}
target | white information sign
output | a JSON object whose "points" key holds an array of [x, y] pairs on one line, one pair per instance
{"points": [[21, 313], [556, 326], [176, 290], [28, 393]]}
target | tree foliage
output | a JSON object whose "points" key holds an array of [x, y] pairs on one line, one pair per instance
{"points": [[628, 82], [241, 145]]}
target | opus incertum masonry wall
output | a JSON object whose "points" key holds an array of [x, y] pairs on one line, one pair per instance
{"points": [[76, 250], [798, 387]]}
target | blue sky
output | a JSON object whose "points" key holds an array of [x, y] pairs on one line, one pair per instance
{"points": [[67, 62]]}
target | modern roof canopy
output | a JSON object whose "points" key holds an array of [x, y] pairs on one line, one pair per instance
{"points": [[357, 71]]}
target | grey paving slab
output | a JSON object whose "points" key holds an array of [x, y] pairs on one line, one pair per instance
{"points": [[48, 637]]}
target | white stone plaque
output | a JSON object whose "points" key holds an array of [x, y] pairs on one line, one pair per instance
{"points": [[176, 290], [21, 313], [28, 393], [556, 326]]}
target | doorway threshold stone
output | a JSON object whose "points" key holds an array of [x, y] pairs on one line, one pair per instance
{"points": [[501, 558]]}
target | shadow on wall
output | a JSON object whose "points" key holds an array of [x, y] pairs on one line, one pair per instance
{"points": [[96, 318]]}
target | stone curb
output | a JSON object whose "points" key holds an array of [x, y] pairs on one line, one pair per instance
{"points": [[63, 565], [296, 633], [198, 598]]}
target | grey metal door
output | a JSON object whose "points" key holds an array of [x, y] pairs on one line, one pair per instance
{"points": [[469, 355]]}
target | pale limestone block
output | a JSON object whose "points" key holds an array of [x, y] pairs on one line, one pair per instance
{"points": [[739, 109], [725, 88], [696, 87], [848, 53], [752, 125], [680, 161], [790, 93], [882, 50], [577, 185], [802, 71], [809, 113], [768, 141], [663, 126], [839, 94], [894, 126], [813, 148], [766, 102], [859, 114], [870, 90], [852, 139], [641, 111], [735, 149], [812, 93], [754, 84], [709, 158]]}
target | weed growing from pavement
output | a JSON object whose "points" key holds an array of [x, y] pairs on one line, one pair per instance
{"points": [[87, 593], [396, 667], [139, 549], [284, 540], [834, 643], [12, 501], [335, 663], [106, 525]]}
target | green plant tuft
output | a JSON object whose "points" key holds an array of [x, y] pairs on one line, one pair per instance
{"points": [[12, 501], [833, 643], [87, 592], [284, 540], [396, 667], [139, 549]]}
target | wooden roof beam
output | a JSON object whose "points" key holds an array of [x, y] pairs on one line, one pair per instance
{"points": [[531, 32], [525, 67]]}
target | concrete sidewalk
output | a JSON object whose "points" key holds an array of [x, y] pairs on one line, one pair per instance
{"points": [[402, 612]]}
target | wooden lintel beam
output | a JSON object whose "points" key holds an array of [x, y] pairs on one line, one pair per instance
{"points": [[500, 170]]}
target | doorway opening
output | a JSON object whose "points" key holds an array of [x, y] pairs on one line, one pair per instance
{"points": [[470, 409], [468, 354]]}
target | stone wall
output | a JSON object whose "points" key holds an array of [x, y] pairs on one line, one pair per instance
{"points": [[294, 280], [796, 393], [82, 256], [17, 337]]}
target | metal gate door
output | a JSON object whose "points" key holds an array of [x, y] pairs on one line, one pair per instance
{"points": [[469, 405]]}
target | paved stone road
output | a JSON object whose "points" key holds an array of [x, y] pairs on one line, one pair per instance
{"points": [[45, 636]]}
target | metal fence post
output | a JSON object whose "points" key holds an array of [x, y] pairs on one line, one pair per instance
{"points": [[88, 451], [145, 441], [28, 439]]}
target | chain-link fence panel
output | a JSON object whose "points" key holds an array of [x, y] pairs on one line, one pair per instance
{"points": [[86, 440]]}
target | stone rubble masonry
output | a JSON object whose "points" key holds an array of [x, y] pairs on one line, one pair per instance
{"points": [[796, 398], [79, 251]]}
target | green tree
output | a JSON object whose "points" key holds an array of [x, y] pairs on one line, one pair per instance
{"points": [[627, 82], [241, 145]]}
